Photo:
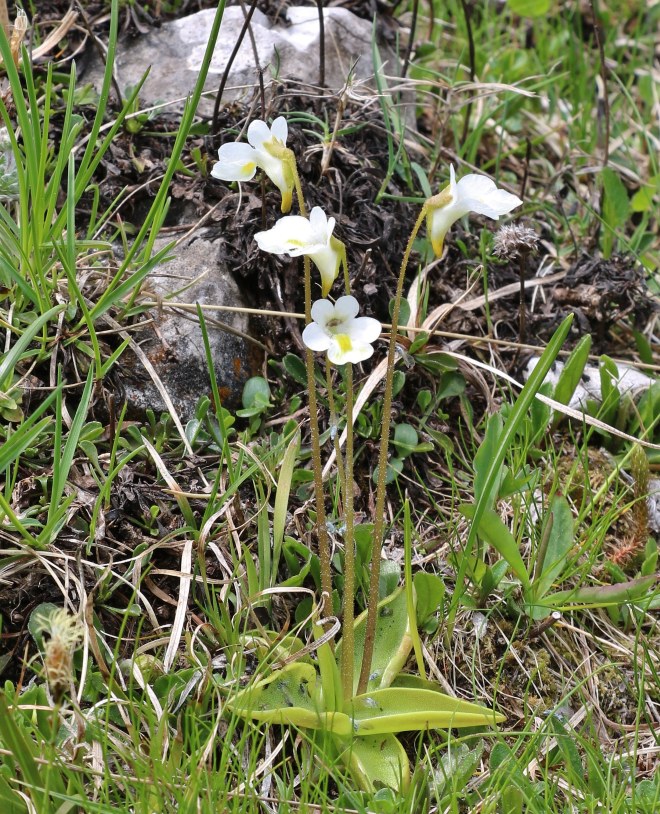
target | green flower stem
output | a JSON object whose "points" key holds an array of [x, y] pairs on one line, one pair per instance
{"points": [[379, 520], [348, 631], [319, 498]]}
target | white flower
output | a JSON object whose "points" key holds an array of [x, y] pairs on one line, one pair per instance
{"points": [[266, 150], [295, 235], [473, 193], [338, 330]]}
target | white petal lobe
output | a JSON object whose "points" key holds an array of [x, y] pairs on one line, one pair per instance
{"points": [[258, 132], [346, 307], [315, 338], [280, 129], [237, 162]]}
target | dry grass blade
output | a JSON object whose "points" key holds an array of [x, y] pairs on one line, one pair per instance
{"points": [[185, 572], [57, 35], [182, 606]]}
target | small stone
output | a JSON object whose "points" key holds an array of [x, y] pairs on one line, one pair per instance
{"points": [[174, 343]]}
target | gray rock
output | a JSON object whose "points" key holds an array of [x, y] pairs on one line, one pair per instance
{"points": [[174, 344], [289, 49]]}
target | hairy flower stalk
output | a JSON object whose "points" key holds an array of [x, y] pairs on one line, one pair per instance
{"points": [[473, 193], [319, 497], [346, 338], [379, 519], [348, 634]]}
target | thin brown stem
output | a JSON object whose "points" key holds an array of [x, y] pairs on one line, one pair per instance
{"points": [[598, 34], [230, 62], [411, 41], [319, 6], [379, 519]]}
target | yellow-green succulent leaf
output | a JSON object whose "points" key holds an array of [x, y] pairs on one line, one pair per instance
{"points": [[392, 645], [599, 596], [378, 761], [330, 678], [290, 696], [401, 709]]}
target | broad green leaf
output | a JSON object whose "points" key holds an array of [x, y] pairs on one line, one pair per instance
{"points": [[567, 747], [495, 533], [615, 207], [485, 454], [403, 709], [559, 535], [394, 469], [600, 596], [416, 682], [493, 575], [378, 761], [530, 8], [642, 200], [392, 645], [282, 498], [256, 393], [420, 341], [430, 591], [572, 372], [295, 367], [290, 696], [405, 439], [456, 767], [388, 578]]}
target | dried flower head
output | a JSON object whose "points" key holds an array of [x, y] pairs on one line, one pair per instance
{"points": [[62, 634], [513, 240]]}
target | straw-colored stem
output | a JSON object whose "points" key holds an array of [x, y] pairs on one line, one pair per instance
{"points": [[348, 634], [379, 519]]}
